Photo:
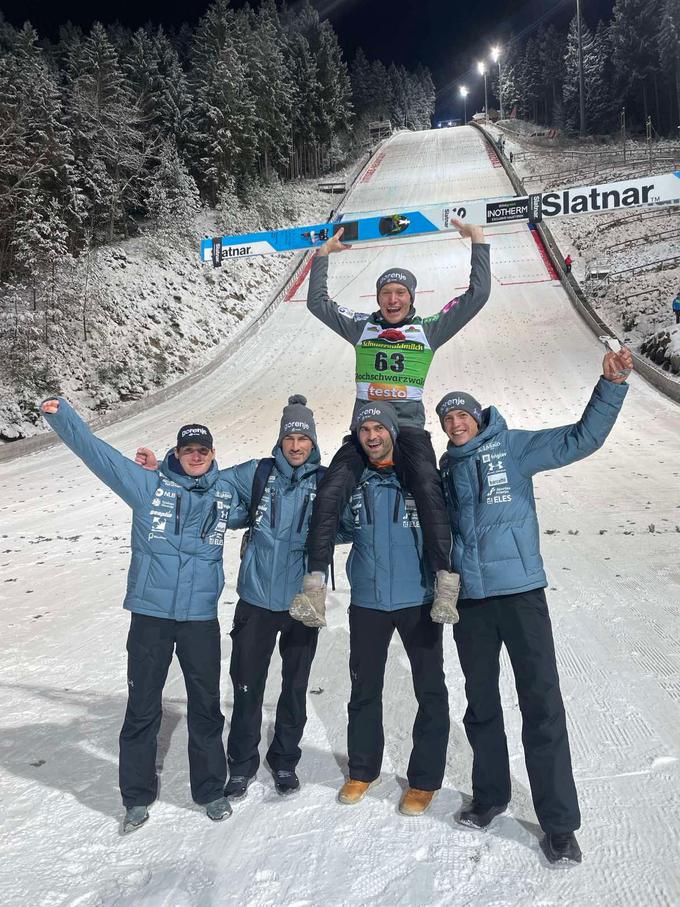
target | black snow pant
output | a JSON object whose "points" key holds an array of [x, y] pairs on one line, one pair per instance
{"points": [[520, 622], [150, 645], [253, 639], [370, 633], [416, 466]]}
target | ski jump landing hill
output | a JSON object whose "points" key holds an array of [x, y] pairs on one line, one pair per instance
{"points": [[610, 540]]}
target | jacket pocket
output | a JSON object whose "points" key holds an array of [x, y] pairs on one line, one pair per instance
{"points": [[524, 552], [142, 575]]}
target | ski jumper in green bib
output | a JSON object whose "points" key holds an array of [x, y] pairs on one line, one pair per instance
{"points": [[392, 361]]}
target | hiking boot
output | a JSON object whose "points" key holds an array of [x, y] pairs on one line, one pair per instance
{"points": [[446, 591], [286, 782], [478, 816], [135, 817], [309, 606], [218, 809], [415, 802], [353, 791], [561, 848], [237, 786]]}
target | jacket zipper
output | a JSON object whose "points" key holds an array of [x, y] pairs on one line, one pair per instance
{"points": [[178, 507], [395, 512], [209, 521], [273, 508], [303, 514], [480, 479], [367, 504], [474, 521]]}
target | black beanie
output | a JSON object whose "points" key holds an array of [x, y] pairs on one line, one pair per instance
{"points": [[297, 419], [398, 275], [462, 401]]}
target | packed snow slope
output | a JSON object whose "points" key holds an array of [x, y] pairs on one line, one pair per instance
{"points": [[610, 533]]}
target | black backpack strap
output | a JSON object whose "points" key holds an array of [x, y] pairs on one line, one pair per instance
{"points": [[262, 472]]}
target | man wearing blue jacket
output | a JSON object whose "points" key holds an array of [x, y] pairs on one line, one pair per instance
{"points": [[392, 587], [271, 573], [487, 472], [180, 513]]}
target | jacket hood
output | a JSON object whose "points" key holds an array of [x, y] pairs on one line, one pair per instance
{"points": [[310, 465], [493, 424], [172, 468]]}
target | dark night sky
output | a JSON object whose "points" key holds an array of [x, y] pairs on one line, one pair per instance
{"points": [[449, 36]]}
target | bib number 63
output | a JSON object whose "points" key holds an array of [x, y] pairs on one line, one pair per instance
{"points": [[395, 362]]}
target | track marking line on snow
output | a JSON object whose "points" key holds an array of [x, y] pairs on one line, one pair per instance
{"points": [[299, 281]]}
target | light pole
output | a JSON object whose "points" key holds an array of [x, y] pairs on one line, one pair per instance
{"points": [[496, 57], [482, 70], [464, 94], [581, 93]]}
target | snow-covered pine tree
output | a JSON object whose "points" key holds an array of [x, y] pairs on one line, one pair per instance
{"points": [[570, 86], [272, 87], [223, 139], [633, 33], [551, 51], [668, 43], [602, 107]]}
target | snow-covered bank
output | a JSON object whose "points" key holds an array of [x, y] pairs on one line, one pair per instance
{"points": [[636, 304], [154, 314]]}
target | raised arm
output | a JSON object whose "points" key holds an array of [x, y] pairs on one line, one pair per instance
{"points": [[455, 315], [128, 480], [348, 324], [551, 448]]}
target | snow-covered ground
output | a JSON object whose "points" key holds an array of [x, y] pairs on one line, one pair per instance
{"points": [[610, 533], [636, 305]]}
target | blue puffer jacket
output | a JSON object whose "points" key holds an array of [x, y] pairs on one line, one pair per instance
{"points": [[490, 494], [274, 560], [178, 525], [386, 567]]}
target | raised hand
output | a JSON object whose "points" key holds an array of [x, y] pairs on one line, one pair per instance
{"points": [[468, 231], [146, 457], [50, 406], [334, 244], [617, 366]]}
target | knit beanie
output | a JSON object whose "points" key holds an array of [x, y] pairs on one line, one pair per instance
{"points": [[462, 401], [297, 419], [384, 413], [398, 275]]}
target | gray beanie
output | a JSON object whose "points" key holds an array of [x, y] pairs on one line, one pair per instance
{"points": [[384, 413], [398, 275], [297, 419], [462, 401]]}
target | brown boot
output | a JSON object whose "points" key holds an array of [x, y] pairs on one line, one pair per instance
{"points": [[415, 802], [353, 791]]}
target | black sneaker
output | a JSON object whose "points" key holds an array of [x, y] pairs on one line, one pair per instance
{"points": [[561, 848], [286, 782], [237, 786], [478, 816]]}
